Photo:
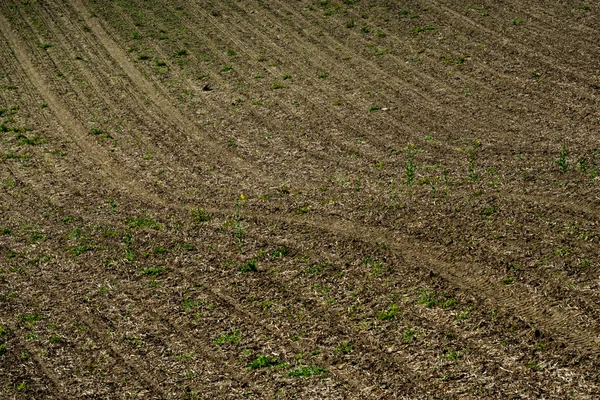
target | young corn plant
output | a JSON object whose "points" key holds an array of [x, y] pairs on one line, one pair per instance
{"points": [[411, 166], [562, 160], [473, 174], [237, 219]]}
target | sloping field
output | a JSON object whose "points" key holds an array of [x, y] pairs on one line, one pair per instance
{"points": [[299, 199]]}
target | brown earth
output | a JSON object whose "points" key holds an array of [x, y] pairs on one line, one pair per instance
{"points": [[308, 199]]}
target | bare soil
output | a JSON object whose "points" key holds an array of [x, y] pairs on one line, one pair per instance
{"points": [[299, 200]]}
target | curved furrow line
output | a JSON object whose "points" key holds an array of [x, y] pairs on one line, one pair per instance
{"points": [[75, 129]]}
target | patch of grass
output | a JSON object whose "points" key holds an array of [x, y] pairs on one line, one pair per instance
{"points": [[425, 28], [44, 46], [31, 319], [277, 86], [344, 347], [411, 167], [534, 365], [517, 21], [32, 141], [308, 371], [249, 266], [200, 215], [144, 222], [262, 361], [431, 299], [279, 252], [303, 210], [389, 314], [323, 75], [316, 269], [562, 159], [234, 338], [488, 211], [153, 271], [79, 250], [226, 68], [96, 131], [451, 354], [408, 335], [509, 280], [181, 53]]}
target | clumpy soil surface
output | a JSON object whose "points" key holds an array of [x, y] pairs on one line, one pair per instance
{"points": [[342, 199]]}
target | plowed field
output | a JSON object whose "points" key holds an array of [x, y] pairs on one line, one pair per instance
{"points": [[302, 199]]}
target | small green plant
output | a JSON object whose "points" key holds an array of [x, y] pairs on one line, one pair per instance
{"points": [[410, 167], [144, 222], [323, 75], [389, 314], [279, 252], [249, 266], [585, 263], [231, 52], [181, 53], [277, 86], [44, 46], [509, 280], [425, 28], [153, 271], [344, 347], [374, 108], [351, 23], [303, 210], [234, 338], [200, 215], [562, 159], [408, 335], [226, 68], [517, 21], [144, 57], [79, 250], [534, 365], [489, 211], [431, 299], [451, 354], [55, 339], [308, 371], [237, 219], [96, 131], [263, 361], [473, 174], [316, 269], [286, 77]]}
